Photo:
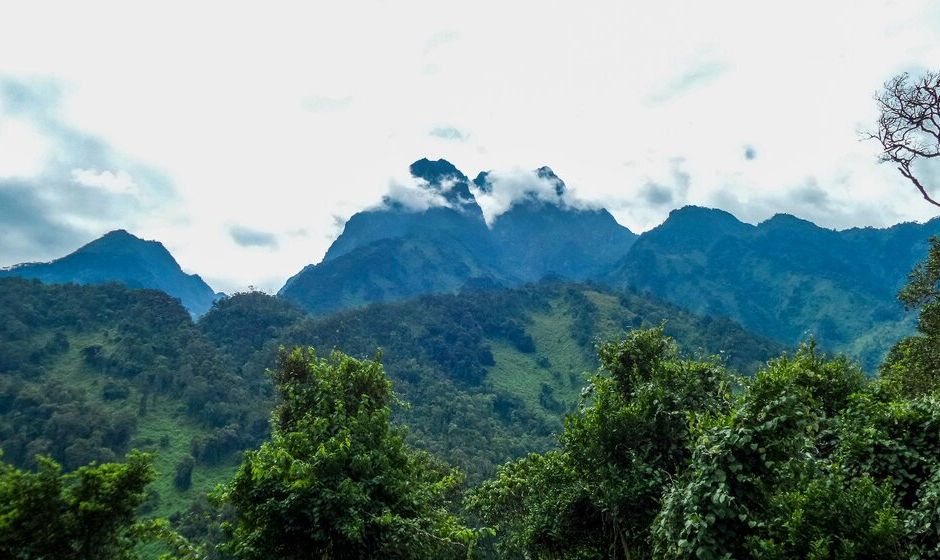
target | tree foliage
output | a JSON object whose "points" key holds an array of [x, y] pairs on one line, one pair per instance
{"points": [[90, 513], [336, 479], [597, 495]]}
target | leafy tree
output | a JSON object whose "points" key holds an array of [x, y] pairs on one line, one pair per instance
{"points": [[46, 515], [597, 496], [336, 479], [912, 368], [763, 480]]}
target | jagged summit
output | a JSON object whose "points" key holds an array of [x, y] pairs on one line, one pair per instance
{"points": [[444, 179], [545, 172]]}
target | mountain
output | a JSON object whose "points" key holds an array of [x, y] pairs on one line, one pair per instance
{"points": [[784, 278], [121, 257], [401, 250], [542, 236]]}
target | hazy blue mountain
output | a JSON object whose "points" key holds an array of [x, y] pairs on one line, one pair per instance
{"points": [[121, 257], [784, 278], [397, 251], [539, 236]]}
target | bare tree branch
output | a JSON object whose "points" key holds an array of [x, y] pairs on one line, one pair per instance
{"points": [[909, 125]]}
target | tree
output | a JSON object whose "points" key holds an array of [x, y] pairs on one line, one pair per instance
{"points": [[336, 479], [91, 513], [909, 125], [912, 367], [596, 497]]}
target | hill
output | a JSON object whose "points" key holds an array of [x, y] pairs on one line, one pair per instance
{"points": [[121, 257], [488, 374], [89, 372], [784, 277]]}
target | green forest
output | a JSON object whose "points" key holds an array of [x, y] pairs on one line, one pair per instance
{"points": [[665, 453]]}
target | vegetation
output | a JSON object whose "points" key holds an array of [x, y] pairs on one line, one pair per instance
{"points": [[86, 514], [336, 480], [89, 372], [490, 374], [784, 278], [666, 454]]}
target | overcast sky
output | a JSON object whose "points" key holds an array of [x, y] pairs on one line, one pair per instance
{"points": [[243, 138]]}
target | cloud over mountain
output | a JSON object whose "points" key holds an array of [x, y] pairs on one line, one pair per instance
{"points": [[75, 185]]}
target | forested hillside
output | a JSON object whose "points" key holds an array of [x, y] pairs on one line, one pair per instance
{"points": [[90, 372], [784, 278], [488, 374]]}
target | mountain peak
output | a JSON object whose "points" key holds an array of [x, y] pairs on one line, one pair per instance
{"points": [[787, 220], [119, 256], [435, 171], [545, 172], [699, 224], [444, 179]]}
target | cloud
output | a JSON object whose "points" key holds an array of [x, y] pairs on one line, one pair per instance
{"points": [[504, 188], [247, 237], [119, 182], [440, 39], [448, 133], [76, 188], [325, 104], [808, 200], [696, 75], [671, 194], [414, 195]]}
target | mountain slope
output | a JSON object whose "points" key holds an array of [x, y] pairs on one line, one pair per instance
{"points": [[784, 278], [543, 235], [488, 374], [89, 372], [121, 257]]}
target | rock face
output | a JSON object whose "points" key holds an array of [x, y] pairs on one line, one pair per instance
{"points": [[121, 257], [395, 252]]}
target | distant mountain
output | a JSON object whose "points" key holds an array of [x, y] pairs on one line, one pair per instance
{"points": [[442, 245], [396, 251], [121, 257], [785, 278], [545, 236]]}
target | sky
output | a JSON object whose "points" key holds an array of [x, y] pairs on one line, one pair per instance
{"points": [[243, 135]]}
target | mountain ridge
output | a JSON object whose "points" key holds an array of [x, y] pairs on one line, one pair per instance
{"points": [[119, 256]]}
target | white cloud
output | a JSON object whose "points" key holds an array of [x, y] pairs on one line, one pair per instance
{"points": [[119, 182], [413, 194], [506, 187]]}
